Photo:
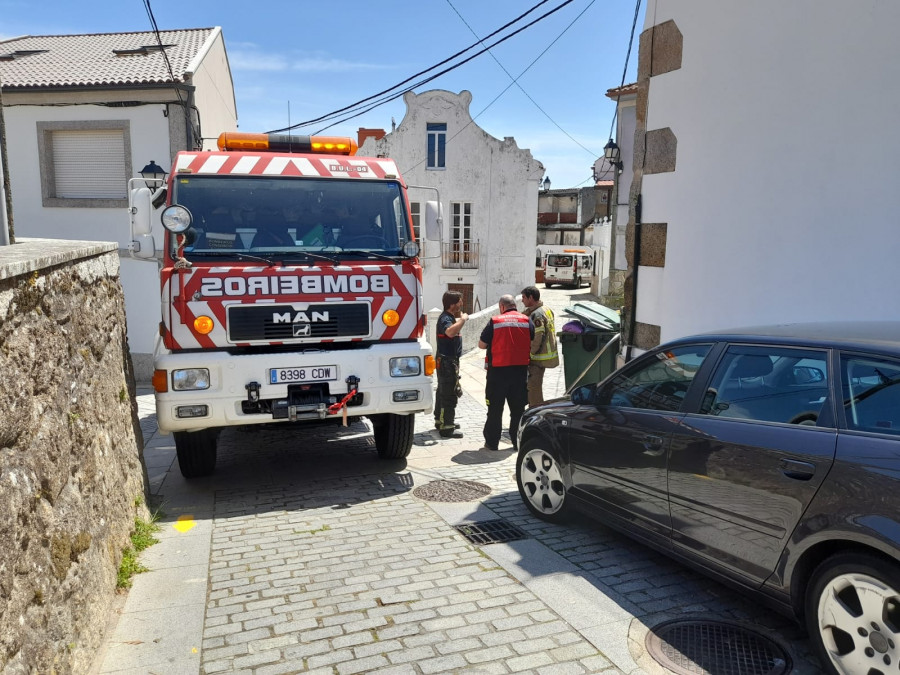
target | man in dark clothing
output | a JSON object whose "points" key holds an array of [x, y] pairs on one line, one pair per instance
{"points": [[449, 349], [507, 337]]}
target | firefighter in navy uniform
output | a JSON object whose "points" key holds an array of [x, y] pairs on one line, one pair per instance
{"points": [[449, 349], [507, 338]]}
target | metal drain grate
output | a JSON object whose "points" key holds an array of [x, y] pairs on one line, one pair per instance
{"points": [[692, 647], [451, 491], [490, 532]]}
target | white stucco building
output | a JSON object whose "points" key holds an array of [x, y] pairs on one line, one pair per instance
{"points": [[489, 192], [85, 113], [764, 166]]}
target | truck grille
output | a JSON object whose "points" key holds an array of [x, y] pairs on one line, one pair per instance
{"points": [[289, 323]]}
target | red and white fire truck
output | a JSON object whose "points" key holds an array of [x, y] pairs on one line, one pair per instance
{"points": [[291, 292]]}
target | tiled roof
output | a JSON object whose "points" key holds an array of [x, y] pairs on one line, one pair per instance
{"points": [[103, 59], [624, 90]]}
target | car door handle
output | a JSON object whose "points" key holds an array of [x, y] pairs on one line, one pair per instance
{"points": [[797, 470]]}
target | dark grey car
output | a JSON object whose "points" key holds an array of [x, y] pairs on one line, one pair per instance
{"points": [[768, 458]]}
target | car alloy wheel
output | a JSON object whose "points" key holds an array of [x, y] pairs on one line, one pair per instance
{"points": [[541, 484], [857, 615]]}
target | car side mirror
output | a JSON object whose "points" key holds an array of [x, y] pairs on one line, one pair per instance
{"points": [[584, 395]]}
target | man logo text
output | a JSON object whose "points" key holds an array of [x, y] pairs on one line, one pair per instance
{"points": [[299, 317]]}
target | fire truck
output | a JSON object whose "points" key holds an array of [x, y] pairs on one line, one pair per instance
{"points": [[291, 292]]}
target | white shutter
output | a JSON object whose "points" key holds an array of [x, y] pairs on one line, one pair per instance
{"points": [[89, 164]]}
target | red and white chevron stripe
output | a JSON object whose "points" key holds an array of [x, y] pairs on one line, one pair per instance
{"points": [[278, 164]]}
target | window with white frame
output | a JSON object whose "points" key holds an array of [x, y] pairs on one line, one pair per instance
{"points": [[85, 163], [437, 143], [415, 211], [461, 249]]}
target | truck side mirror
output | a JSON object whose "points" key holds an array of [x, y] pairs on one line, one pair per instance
{"points": [[433, 221], [142, 244]]}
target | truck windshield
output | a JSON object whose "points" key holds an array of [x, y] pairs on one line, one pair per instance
{"points": [[286, 215]]}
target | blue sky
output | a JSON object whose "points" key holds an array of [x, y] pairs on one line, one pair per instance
{"points": [[318, 56]]}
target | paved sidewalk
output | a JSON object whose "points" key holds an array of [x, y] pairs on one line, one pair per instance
{"points": [[305, 553]]}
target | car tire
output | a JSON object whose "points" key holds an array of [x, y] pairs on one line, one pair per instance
{"points": [[547, 284], [196, 452], [577, 282], [542, 485], [852, 613]]}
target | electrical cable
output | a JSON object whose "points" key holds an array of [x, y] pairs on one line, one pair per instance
{"points": [[334, 113], [392, 97], [637, 7], [497, 97], [469, 59], [515, 80], [187, 113]]}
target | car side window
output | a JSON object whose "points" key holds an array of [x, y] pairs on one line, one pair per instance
{"points": [[871, 393], [657, 382], [769, 384]]}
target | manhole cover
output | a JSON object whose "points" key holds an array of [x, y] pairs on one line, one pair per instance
{"points": [[490, 532], [451, 491], [715, 648]]}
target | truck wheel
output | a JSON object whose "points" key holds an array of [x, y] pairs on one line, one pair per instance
{"points": [[196, 452], [577, 282], [547, 284], [393, 435]]}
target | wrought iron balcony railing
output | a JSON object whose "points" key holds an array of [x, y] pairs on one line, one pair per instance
{"points": [[459, 255]]}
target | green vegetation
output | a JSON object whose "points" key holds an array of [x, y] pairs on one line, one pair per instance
{"points": [[324, 528], [141, 538]]}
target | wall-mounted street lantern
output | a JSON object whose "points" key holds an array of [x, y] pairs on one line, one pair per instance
{"points": [[546, 184], [613, 155], [153, 172]]}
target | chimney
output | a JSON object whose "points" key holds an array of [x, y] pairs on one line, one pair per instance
{"points": [[362, 134]]}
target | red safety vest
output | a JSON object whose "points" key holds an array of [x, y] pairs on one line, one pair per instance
{"points": [[511, 343]]}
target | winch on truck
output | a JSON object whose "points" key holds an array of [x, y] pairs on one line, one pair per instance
{"points": [[291, 292]]}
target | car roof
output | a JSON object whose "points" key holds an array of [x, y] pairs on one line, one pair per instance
{"points": [[863, 335]]}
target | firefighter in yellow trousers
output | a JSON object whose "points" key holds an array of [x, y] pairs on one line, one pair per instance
{"points": [[543, 345]]}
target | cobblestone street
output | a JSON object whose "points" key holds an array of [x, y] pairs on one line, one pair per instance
{"points": [[305, 553]]}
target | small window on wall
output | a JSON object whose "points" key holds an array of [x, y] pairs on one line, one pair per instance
{"points": [[85, 163], [437, 141]]}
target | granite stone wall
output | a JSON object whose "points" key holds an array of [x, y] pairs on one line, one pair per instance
{"points": [[71, 472]]}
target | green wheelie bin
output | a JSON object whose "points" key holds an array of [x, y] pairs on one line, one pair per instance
{"points": [[579, 350]]}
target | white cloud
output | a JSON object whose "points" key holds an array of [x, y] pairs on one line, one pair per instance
{"points": [[247, 56]]}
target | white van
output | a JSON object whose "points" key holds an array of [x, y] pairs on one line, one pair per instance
{"points": [[570, 267]]}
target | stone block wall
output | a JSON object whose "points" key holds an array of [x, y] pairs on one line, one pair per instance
{"points": [[71, 472]]}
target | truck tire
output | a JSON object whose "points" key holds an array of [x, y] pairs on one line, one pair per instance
{"points": [[196, 452], [393, 435]]}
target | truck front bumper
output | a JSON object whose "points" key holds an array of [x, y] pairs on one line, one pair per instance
{"points": [[242, 389]]}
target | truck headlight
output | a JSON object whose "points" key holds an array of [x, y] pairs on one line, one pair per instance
{"points": [[190, 379], [405, 366]]}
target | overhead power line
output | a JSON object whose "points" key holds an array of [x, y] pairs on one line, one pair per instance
{"points": [[515, 80], [334, 113], [507, 87], [391, 97]]}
